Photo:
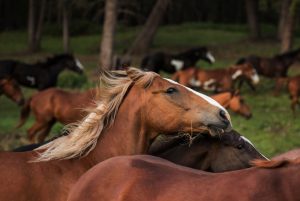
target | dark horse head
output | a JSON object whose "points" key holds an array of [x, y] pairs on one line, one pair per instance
{"points": [[67, 61], [198, 53]]}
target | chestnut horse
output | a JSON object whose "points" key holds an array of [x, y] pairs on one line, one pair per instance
{"points": [[10, 88], [164, 107], [235, 102], [291, 155], [218, 79], [52, 105], [141, 177], [294, 91], [274, 67], [229, 151]]}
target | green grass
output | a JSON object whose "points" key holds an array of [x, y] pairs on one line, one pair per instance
{"points": [[273, 129]]}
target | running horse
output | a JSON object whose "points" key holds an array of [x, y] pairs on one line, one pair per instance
{"points": [[171, 63], [141, 177], [54, 105], [227, 152], [40, 75], [218, 80], [274, 67], [164, 107], [10, 88], [235, 102]]}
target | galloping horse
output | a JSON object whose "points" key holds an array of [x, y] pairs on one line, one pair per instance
{"points": [[274, 67], [218, 79], [235, 102], [11, 89], [164, 107], [141, 177], [172, 63], [294, 91], [53, 105], [40, 75], [230, 151]]}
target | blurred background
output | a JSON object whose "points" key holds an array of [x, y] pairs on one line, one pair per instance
{"points": [[99, 33]]}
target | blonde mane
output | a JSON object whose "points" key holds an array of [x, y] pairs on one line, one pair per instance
{"points": [[82, 137]]}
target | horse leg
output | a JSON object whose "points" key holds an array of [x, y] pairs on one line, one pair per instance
{"points": [[33, 131], [294, 104], [44, 133]]}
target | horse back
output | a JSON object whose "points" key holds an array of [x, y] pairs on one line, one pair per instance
{"points": [[7, 68]]}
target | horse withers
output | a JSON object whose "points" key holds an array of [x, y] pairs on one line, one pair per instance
{"points": [[54, 105], [10, 88], [164, 107], [174, 62], [40, 75]]}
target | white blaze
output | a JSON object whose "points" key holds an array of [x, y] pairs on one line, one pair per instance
{"points": [[210, 57], [255, 77], [78, 63]]}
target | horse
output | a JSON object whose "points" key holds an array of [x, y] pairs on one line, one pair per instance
{"points": [[230, 151], [54, 105], [40, 75], [164, 107], [173, 62], [10, 88], [294, 91], [235, 102], [273, 67], [290, 155], [218, 80], [142, 177]]}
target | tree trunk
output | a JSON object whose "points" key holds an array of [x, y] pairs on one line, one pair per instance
{"points": [[284, 10], [107, 43], [145, 38], [252, 17], [288, 26], [66, 33], [31, 25], [39, 27]]}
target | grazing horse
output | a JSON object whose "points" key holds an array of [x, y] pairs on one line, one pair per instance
{"points": [[235, 102], [230, 151], [141, 177], [274, 67], [164, 107], [10, 88], [40, 75], [172, 63], [218, 79], [52, 105], [294, 91]]}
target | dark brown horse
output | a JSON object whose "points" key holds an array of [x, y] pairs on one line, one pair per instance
{"points": [[218, 79], [164, 107], [55, 105], [274, 67], [235, 102], [230, 151], [12, 90], [141, 177]]}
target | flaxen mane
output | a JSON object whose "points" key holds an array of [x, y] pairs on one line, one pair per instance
{"points": [[83, 136]]}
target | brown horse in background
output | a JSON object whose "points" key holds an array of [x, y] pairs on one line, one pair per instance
{"points": [[294, 91], [235, 102], [10, 88], [229, 151], [141, 177], [164, 107], [55, 105], [218, 79]]}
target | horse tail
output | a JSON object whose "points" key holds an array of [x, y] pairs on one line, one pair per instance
{"points": [[25, 111]]}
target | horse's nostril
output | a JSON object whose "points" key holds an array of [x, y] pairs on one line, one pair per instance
{"points": [[223, 116]]}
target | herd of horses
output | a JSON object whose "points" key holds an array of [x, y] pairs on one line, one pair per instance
{"points": [[174, 143]]}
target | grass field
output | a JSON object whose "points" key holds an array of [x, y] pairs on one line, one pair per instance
{"points": [[272, 129]]}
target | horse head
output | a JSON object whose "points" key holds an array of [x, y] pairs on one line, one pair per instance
{"points": [[12, 90], [234, 152], [202, 53], [237, 104], [71, 63]]}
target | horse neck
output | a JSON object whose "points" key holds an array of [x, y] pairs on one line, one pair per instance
{"points": [[126, 136], [223, 99], [56, 68], [287, 60]]}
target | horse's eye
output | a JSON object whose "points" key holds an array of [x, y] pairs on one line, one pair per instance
{"points": [[240, 146], [171, 90]]}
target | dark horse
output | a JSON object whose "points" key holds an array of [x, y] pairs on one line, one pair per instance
{"points": [[40, 75], [274, 67], [174, 62]]}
